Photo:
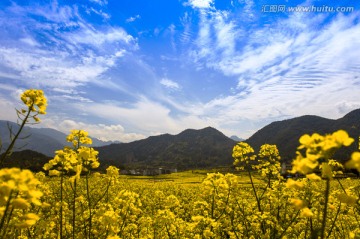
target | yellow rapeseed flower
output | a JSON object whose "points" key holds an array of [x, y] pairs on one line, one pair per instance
{"points": [[290, 183], [313, 177], [20, 203], [298, 203], [78, 136], [33, 98], [354, 162], [306, 212], [348, 199], [317, 147]]}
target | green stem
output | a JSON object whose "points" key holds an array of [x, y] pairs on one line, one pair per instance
{"points": [[323, 224], [73, 210], [61, 204], [254, 190], [334, 221], [257, 200], [4, 216], [89, 203], [8, 150]]}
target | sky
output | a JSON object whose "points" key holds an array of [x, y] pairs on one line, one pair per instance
{"points": [[125, 70]]}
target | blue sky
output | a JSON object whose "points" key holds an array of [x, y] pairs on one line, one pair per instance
{"points": [[125, 70]]}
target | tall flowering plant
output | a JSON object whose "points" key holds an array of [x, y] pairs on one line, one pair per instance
{"points": [[35, 104], [74, 160], [19, 192]]}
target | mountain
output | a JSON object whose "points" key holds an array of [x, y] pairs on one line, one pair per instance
{"points": [[191, 148], [285, 134], [235, 138], [43, 140], [27, 159]]}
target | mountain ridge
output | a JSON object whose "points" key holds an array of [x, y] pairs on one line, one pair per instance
{"points": [[42, 140], [208, 147], [286, 133], [189, 149]]}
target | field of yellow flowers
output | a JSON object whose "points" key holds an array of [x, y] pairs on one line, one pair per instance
{"points": [[73, 202]]}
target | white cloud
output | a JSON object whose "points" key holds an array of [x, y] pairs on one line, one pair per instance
{"points": [[170, 84], [104, 15], [29, 41], [8, 87], [145, 117], [10, 101], [52, 12], [89, 35], [200, 3], [105, 132], [134, 18], [75, 98], [100, 2], [55, 69], [101, 131], [7, 110], [346, 106], [72, 57], [298, 65]]}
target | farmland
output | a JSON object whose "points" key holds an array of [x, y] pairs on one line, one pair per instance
{"points": [[72, 200]]}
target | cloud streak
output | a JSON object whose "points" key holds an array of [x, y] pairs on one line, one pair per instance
{"points": [[170, 84], [231, 68], [74, 54], [282, 71]]}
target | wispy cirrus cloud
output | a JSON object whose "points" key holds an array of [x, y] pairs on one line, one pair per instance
{"points": [[170, 84], [226, 64], [100, 2], [101, 131], [104, 15], [46, 69], [54, 48], [88, 35], [133, 19], [300, 64], [75, 52]]}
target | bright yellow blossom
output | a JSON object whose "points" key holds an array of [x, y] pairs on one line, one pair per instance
{"points": [[78, 137], [354, 162], [348, 199], [313, 177], [306, 212], [35, 98], [318, 147], [290, 183], [298, 204]]}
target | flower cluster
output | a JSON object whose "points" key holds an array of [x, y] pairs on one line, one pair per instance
{"points": [[77, 137], [77, 159], [88, 158], [257, 204], [354, 162], [35, 101], [243, 153], [319, 148], [267, 161], [18, 193], [65, 160]]}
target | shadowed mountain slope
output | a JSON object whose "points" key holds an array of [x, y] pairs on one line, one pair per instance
{"points": [[285, 134], [191, 148], [43, 140]]}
